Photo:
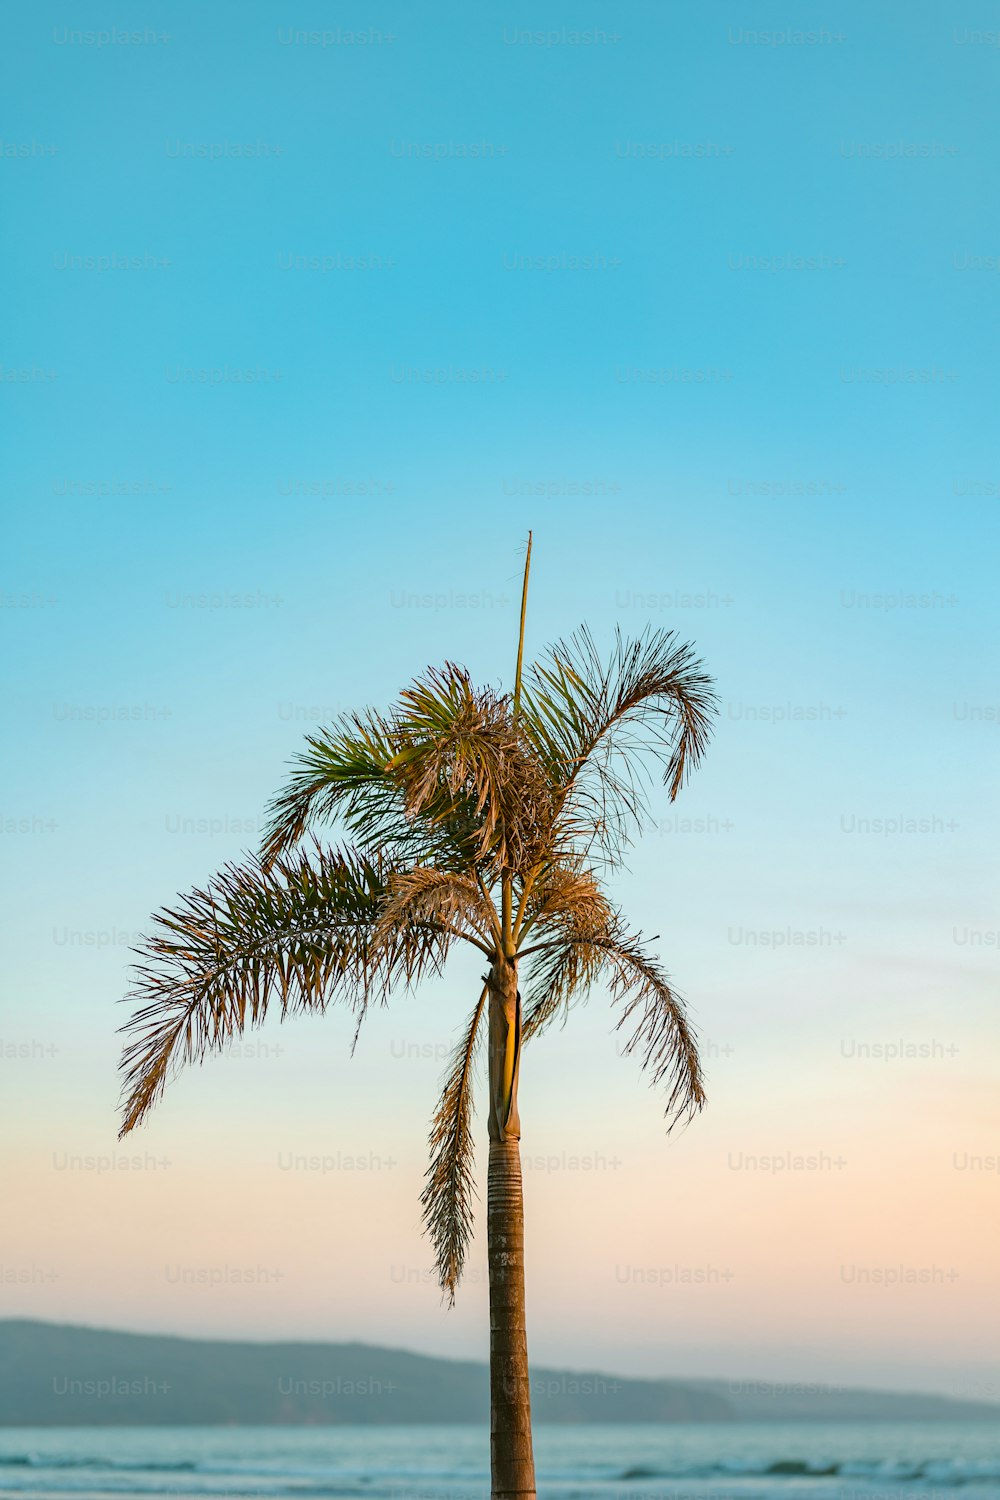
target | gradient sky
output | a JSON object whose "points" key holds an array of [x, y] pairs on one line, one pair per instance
{"points": [[716, 318]]}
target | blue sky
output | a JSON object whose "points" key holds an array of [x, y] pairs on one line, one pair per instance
{"points": [[716, 318]]}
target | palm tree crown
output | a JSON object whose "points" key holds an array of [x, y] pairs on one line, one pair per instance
{"points": [[466, 815]]}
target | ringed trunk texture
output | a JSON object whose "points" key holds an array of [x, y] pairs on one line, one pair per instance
{"points": [[512, 1461]]}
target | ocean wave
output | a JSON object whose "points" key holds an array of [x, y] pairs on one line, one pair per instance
{"points": [[52, 1461], [944, 1471], [277, 1478]]}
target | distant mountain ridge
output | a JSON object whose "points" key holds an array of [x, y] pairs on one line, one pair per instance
{"points": [[64, 1375]]}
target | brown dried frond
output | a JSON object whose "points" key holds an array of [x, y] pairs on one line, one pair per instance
{"points": [[423, 894], [461, 756], [569, 896], [447, 1198], [661, 1033], [566, 966]]}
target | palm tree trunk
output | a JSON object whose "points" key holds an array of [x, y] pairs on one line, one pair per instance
{"points": [[512, 1462]]}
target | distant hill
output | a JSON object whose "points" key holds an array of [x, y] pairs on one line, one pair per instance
{"points": [[58, 1375]]}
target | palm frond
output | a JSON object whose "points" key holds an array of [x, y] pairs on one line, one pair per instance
{"points": [[595, 724], [454, 902], [661, 1033], [566, 897], [341, 770], [293, 934], [565, 911], [565, 968], [447, 1198], [564, 972], [443, 779], [461, 759]]}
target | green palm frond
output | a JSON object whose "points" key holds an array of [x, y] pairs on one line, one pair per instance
{"points": [[341, 771], [447, 1198], [295, 934], [594, 725]]}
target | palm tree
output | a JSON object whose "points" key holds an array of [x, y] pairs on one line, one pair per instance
{"points": [[470, 816]]}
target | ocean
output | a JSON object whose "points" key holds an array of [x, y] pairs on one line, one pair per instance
{"points": [[696, 1461]]}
